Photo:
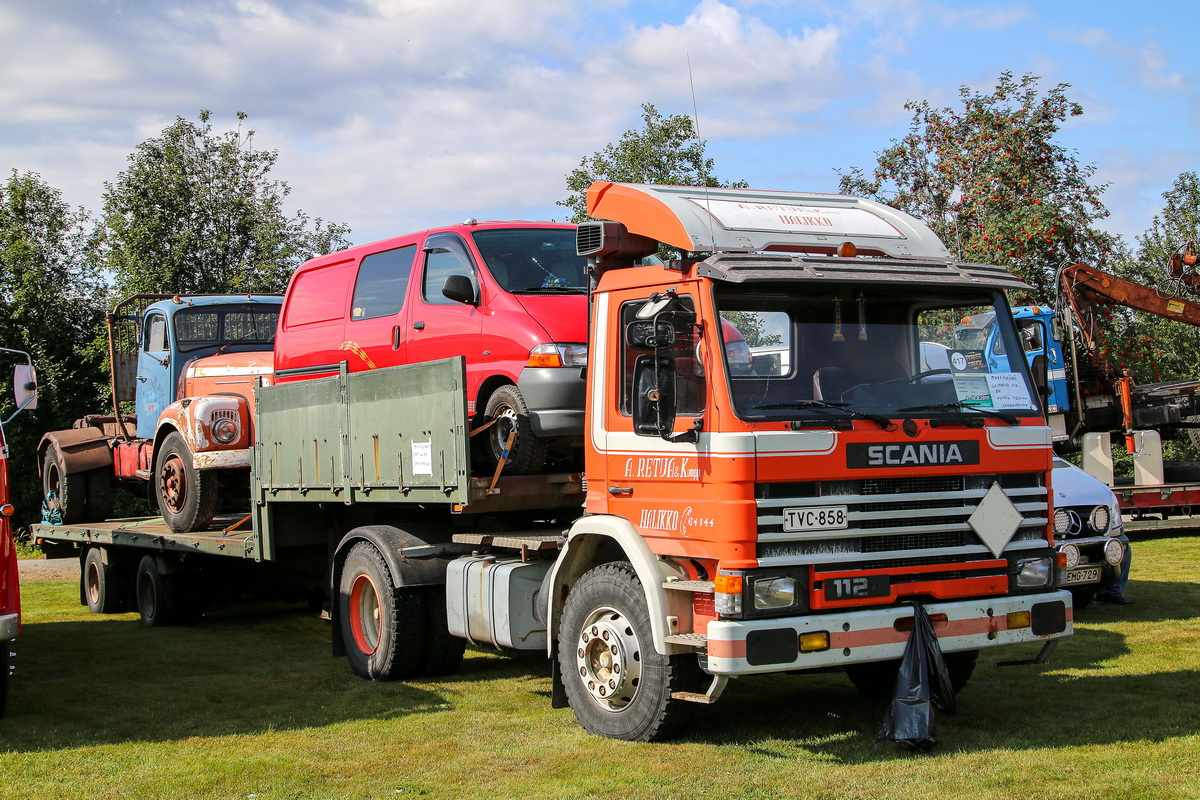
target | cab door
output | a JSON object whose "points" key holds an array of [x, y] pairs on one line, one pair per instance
{"points": [[375, 331], [154, 390], [439, 327]]}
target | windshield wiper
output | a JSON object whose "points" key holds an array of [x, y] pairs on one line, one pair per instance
{"points": [[961, 406], [559, 289], [882, 421]]}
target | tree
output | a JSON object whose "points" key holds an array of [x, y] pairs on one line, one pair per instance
{"points": [[992, 182], [665, 151], [196, 212], [52, 306]]}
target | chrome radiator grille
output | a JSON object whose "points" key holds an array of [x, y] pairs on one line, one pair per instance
{"points": [[894, 522]]}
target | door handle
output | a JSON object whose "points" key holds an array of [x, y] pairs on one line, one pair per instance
{"points": [[395, 337], [418, 325], [618, 491], [141, 378]]}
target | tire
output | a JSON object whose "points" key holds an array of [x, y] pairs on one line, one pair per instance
{"points": [[443, 650], [102, 586], [877, 680], [383, 627], [63, 492], [156, 595], [99, 493], [617, 683], [187, 497], [528, 452], [1082, 598]]}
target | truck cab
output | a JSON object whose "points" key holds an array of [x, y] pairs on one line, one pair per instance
{"points": [[186, 366]]}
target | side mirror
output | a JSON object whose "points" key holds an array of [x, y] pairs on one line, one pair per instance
{"points": [[25, 386], [654, 396], [459, 289]]}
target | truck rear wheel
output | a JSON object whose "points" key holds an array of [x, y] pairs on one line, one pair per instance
{"points": [[156, 594], [444, 650], [617, 683], [877, 680], [102, 586], [383, 627], [187, 497], [528, 452], [63, 492]]}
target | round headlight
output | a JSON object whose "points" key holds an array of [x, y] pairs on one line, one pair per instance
{"points": [[1098, 520], [1072, 554], [1114, 551], [1062, 521], [225, 430]]}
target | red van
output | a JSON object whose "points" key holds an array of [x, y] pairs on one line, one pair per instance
{"points": [[510, 296]]}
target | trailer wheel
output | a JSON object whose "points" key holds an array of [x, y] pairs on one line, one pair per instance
{"points": [[877, 680], [617, 683], [102, 585], [157, 598], [383, 627], [64, 492], [528, 451], [187, 497]]}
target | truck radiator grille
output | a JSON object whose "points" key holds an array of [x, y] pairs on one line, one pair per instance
{"points": [[893, 522]]}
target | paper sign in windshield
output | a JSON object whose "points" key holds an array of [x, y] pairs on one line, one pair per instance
{"points": [[975, 386], [785, 217]]}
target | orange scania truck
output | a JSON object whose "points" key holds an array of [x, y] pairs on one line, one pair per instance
{"points": [[771, 479]]}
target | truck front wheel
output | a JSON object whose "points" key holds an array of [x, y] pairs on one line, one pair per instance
{"points": [[63, 493], [383, 627], [617, 683], [187, 497], [102, 584]]}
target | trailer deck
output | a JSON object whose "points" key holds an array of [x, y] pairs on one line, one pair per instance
{"points": [[228, 535]]}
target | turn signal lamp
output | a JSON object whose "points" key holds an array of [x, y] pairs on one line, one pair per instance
{"points": [[7, 510], [814, 641], [727, 596], [1018, 619], [558, 355], [847, 250]]}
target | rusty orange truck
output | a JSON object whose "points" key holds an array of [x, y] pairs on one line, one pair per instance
{"points": [[771, 480]]}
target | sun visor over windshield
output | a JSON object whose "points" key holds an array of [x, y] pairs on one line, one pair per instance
{"points": [[696, 219]]}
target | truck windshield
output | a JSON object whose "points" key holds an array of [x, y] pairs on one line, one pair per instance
{"points": [[533, 260], [803, 352], [213, 326]]}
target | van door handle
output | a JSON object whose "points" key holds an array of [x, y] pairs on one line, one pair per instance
{"points": [[395, 337], [420, 326]]}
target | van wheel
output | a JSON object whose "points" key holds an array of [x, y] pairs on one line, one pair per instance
{"points": [[63, 493], [187, 497], [102, 585], [528, 452]]}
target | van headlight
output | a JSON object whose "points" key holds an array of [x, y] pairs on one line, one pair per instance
{"points": [[1035, 573], [571, 354]]}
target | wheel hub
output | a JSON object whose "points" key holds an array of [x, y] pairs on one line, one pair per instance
{"points": [[174, 483], [608, 657]]}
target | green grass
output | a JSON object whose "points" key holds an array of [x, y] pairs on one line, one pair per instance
{"points": [[250, 704]]}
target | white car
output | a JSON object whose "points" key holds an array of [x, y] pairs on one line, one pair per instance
{"points": [[1088, 530]]}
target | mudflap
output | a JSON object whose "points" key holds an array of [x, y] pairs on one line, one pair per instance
{"points": [[922, 685]]}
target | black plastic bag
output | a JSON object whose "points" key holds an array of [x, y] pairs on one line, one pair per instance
{"points": [[922, 685]]}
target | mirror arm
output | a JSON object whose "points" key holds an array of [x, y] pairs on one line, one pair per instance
{"points": [[690, 436]]}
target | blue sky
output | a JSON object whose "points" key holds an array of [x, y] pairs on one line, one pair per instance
{"points": [[396, 115]]}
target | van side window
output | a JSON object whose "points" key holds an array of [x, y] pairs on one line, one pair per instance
{"points": [[445, 255], [156, 334], [382, 283], [317, 295]]}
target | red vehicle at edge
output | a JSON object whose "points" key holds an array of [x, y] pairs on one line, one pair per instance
{"points": [[25, 388]]}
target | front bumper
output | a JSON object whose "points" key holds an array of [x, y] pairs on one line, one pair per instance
{"points": [[1093, 570], [554, 397], [222, 459], [745, 647], [10, 624]]}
